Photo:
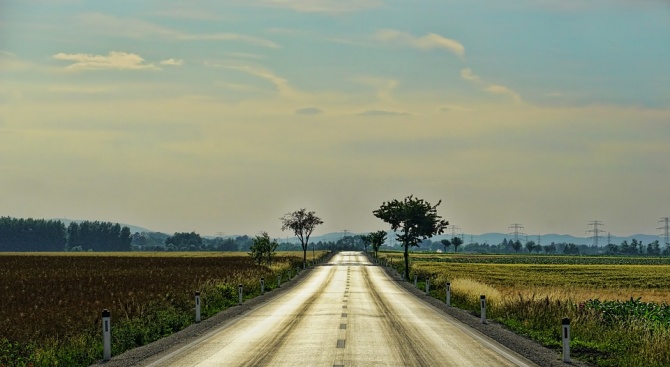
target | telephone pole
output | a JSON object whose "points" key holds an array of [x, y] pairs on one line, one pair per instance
{"points": [[516, 231], [666, 229], [596, 231]]}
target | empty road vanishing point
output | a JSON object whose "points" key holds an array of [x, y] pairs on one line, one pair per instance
{"points": [[347, 312]]}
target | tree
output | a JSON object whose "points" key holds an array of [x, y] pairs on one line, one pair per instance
{"points": [[446, 243], [549, 249], [302, 223], [366, 240], [415, 218], [530, 246], [516, 245], [456, 241], [377, 239], [263, 249]]}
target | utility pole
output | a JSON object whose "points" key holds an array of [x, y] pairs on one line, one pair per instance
{"points": [[596, 231], [516, 231], [539, 237], [453, 231], [220, 234], [609, 238], [666, 229]]}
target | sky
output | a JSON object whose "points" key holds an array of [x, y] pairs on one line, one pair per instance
{"points": [[222, 116]]}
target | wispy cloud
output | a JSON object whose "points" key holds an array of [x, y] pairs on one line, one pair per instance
{"points": [[172, 62], [324, 6], [114, 60], [133, 28], [186, 13], [430, 41], [383, 86], [468, 75], [310, 111], [282, 85], [501, 89]]}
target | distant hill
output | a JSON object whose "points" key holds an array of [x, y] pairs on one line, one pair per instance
{"points": [[132, 228]]}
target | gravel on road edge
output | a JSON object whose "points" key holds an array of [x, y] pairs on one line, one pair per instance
{"points": [[522, 345]]}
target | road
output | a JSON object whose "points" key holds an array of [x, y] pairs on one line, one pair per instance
{"points": [[345, 313]]}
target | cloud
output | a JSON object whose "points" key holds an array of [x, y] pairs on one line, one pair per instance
{"points": [[7, 53], [133, 28], [467, 74], [428, 42], [115, 60], [194, 14], [383, 86], [324, 6], [308, 111], [381, 113], [501, 89], [283, 86], [172, 62]]}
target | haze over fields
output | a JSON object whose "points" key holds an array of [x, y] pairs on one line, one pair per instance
{"points": [[213, 116]]}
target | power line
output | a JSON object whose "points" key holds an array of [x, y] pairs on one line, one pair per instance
{"points": [[596, 231], [454, 229]]}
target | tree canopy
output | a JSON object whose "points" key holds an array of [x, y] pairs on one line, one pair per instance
{"points": [[302, 223], [413, 220]]}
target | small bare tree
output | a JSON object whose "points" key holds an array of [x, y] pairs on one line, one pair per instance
{"points": [[302, 223]]}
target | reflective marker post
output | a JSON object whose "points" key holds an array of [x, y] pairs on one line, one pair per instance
{"points": [[240, 294], [482, 300], [428, 286], [448, 300], [197, 306], [279, 281], [106, 335], [262, 286], [566, 339], [416, 278]]}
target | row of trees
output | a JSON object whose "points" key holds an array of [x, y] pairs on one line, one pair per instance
{"points": [[98, 236], [32, 235], [51, 235]]}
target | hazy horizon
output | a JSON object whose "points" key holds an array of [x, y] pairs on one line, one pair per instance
{"points": [[222, 117]]}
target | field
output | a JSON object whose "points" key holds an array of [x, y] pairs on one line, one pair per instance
{"points": [[618, 305], [52, 303]]}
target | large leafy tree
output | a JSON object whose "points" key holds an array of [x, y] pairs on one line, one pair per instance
{"points": [[302, 223], [413, 220]]}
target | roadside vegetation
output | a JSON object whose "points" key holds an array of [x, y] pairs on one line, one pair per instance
{"points": [[618, 306], [52, 303]]}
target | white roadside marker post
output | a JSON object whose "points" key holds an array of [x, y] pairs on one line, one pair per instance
{"points": [[279, 281], [448, 300], [482, 300], [427, 286], [416, 278], [197, 306], [240, 294], [106, 335], [566, 340], [262, 286]]}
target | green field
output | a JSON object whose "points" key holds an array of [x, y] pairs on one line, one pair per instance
{"points": [[51, 303], [618, 305]]}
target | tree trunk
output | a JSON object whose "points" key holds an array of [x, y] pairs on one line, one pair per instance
{"points": [[406, 262]]}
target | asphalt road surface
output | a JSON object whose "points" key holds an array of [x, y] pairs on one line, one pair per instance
{"points": [[345, 313]]}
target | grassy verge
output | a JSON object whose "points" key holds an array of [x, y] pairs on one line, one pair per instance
{"points": [[617, 332]]}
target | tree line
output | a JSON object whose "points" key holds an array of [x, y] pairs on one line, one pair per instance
{"points": [[40, 235]]}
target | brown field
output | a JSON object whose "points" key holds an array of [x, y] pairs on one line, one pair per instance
{"points": [[53, 297]]}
